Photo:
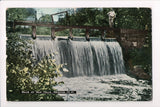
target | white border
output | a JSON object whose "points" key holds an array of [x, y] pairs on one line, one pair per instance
{"points": [[155, 5]]}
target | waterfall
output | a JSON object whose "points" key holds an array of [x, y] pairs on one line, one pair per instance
{"points": [[83, 58]]}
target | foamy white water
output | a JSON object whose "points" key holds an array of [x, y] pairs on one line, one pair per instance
{"points": [[105, 88]]}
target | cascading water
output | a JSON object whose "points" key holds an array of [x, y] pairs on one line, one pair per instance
{"points": [[92, 69], [83, 58]]}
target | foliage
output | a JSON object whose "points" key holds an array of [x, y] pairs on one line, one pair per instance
{"points": [[133, 18], [26, 14], [19, 13], [127, 18], [43, 31], [21, 72], [45, 18], [142, 57], [13, 14]]}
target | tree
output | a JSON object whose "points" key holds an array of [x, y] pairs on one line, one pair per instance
{"points": [[22, 71], [45, 18], [19, 13], [13, 14]]}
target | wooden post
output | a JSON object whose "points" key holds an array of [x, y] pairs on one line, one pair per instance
{"points": [[53, 33], [70, 34], [111, 33], [87, 34], [34, 32], [103, 35], [52, 19]]}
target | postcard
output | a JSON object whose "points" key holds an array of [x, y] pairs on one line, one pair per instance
{"points": [[78, 53]]}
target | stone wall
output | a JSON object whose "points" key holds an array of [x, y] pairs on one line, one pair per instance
{"points": [[130, 38]]}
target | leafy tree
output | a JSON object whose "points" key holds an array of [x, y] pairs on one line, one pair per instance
{"points": [[19, 13], [21, 72], [45, 18], [133, 18]]}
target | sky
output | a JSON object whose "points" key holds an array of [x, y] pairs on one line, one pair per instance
{"points": [[43, 11]]}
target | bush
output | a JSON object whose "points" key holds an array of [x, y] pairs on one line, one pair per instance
{"points": [[143, 57], [23, 74]]}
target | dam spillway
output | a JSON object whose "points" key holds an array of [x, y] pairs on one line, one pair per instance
{"points": [[83, 58]]}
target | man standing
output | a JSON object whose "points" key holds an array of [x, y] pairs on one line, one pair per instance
{"points": [[111, 15]]}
